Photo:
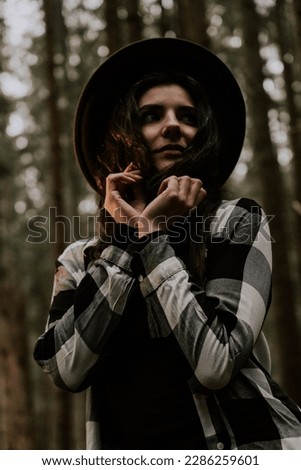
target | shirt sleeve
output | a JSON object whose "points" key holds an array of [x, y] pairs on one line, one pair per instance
{"points": [[216, 325], [86, 307]]}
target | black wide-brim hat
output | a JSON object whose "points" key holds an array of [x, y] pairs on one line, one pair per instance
{"points": [[115, 76]]}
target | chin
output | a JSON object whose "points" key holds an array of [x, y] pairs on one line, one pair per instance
{"points": [[166, 164]]}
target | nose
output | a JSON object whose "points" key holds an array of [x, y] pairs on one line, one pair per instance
{"points": [[171, 127]]}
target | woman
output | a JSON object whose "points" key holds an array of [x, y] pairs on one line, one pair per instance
{"points": [[160, 317]]}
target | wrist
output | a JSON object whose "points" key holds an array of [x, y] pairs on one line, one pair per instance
{"points": [[140, 243], [145, 226]]}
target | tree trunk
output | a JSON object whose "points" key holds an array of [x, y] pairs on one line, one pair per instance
{"points": [[288, 47], [274, 201], [134, 22], [114, 40], [297, 17], [51, 8], [15, 415], [16, 431], [192, 21]]}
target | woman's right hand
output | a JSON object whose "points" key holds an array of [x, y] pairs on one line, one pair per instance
{"points": [[122, 207], [176, 197]]}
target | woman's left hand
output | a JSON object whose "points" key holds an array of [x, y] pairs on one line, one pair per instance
{"points": [[176, 197]]}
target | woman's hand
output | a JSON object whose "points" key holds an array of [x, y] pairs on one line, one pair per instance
{"points": [[124, 196], [176, 197], [125, 201]]}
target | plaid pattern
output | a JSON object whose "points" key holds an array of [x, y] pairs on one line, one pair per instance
{"points": [[218, 326]]}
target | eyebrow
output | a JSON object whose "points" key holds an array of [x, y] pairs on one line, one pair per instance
{"points": [[160, 106]]}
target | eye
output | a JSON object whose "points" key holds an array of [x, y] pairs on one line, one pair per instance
{"points": [[189, 117], [147, 116]]}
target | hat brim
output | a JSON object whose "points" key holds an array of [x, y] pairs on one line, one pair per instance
{"points": [[113, 78]]}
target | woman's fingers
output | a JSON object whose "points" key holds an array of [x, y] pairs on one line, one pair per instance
{"points": [[123, 177], [184, 191], [195, 193], [176, 196], [124, 200], [170, 183], [120, 182]]}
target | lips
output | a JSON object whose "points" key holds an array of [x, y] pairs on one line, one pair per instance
{"points": [[171, 148]]}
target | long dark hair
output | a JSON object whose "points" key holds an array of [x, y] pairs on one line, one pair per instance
{"points": [[123, 142]]}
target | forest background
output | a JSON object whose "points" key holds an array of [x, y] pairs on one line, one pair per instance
{"points": [[49, 48]]}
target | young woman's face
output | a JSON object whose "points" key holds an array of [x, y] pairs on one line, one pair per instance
{"points": [[168, 122]]}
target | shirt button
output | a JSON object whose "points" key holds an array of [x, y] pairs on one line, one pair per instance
{"points": [[140, 278], [220, 445]]}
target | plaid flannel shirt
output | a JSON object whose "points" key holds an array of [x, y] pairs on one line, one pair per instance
{"points": [[218, 326]]}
